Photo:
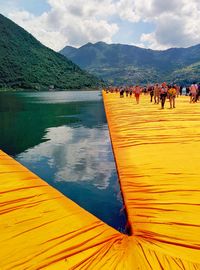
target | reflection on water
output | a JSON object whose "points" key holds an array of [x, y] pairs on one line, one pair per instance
{"points": [[62, 97], [78, 154], [63, 138]]}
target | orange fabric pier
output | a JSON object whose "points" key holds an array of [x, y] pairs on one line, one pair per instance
{"points": [[157, 157], [157, 154], [42, 229]]}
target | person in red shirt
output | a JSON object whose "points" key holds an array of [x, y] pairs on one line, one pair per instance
{"points": [[137, 91], [193, 92]]}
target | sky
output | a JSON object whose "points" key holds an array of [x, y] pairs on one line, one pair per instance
{"points": [[154, 24]]}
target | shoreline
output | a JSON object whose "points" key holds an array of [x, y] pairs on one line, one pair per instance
{"points": [[3, 90]]}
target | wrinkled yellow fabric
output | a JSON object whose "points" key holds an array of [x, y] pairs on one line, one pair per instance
{"points": [[157, 155], [42, 229]]}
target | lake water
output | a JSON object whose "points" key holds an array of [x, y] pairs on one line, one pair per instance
{"points": [[63, 137]]}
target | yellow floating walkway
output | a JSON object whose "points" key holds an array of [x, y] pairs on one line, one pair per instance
{"points": [[157, 156], [42, 229]]}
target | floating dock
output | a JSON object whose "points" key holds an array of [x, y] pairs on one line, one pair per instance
{"points": [[157, 156]]}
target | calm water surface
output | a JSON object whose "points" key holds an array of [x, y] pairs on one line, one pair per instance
{"points": [[63, 137]]}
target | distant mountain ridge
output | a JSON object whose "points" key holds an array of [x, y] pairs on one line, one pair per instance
{"points": [[26, 63], [119, 64]]}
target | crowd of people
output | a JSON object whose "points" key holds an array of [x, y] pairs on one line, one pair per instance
{"points": [[158, 92]]}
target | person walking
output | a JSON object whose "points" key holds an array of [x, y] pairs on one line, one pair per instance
{"points": [[193, 92], [198, 92], [172, 96], [151, 92], [156, 94], [163, 94], [137, 91]]}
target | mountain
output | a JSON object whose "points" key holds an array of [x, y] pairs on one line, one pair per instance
{"points": [[26, 63], [119, 64]]}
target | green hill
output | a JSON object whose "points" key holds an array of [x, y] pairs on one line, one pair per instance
{"points": [[26, 63], [119, 64]]}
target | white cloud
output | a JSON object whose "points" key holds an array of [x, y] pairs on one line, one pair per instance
{"points": [[146, 10], [70, 22], [74, 158], [76, 22], [176, 21]]}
